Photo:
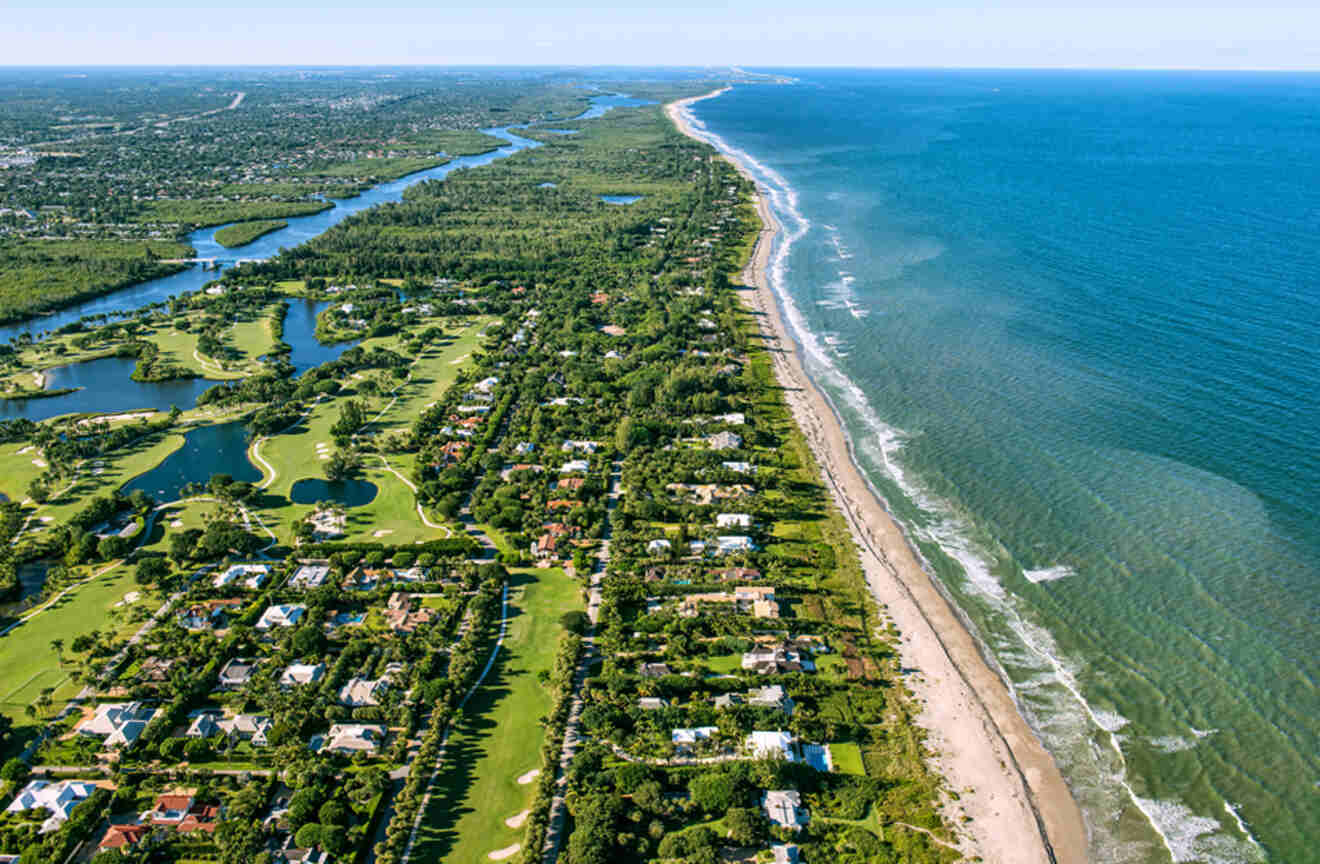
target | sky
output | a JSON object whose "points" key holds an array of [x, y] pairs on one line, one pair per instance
{"points": [[1283, 34]]}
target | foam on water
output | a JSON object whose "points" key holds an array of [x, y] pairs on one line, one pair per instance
{"points": [[1049, 693]]}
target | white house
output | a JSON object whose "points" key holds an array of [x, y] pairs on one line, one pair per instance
{"points": [[570, 446], [658, 547], [120, 724], [771, 697], [204, 725], [724, 441], [353, 738], [283, 615], [301, 673], [684, 738], [730, 544], [575, 466], [771, 745], [310, 576], [783, 807], [250, 727], [739, 467], [734, 520], [57, 799], [252, 576], [360, 692]]}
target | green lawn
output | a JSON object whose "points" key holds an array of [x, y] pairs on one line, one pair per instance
{"points": [[500, 738], [29, 662], [847, 758]]}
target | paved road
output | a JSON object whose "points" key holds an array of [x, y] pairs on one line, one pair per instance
{"points": [[590, 656]]}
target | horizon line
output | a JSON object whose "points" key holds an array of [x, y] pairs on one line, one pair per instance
{"points": [[695, 66]]}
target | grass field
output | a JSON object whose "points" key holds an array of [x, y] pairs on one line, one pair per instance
{"points": [[295, 454], [29, 662], [500, 737], [243, 233]]}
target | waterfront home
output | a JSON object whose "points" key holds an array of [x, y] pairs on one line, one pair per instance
{"points": [[282, 615], [250, 576], [310, 576], [770, 745], [302, 673], [57, 799], [783, 807]]}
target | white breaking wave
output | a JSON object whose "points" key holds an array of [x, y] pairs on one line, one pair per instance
{"points": [[882, 445], [1049, 574]]}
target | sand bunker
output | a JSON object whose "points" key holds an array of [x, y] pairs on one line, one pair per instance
{"points": [[177, 523], [529, 776], [516, 821], [382, 532], [506, 852]]}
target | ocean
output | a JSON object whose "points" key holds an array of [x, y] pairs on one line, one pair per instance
{"points": [[1070, 321]]}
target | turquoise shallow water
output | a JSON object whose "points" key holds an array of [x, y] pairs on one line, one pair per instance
{"points": [[1069, 320]]}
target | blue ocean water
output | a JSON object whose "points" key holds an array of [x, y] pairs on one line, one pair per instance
{"points": [[1070, 322]]}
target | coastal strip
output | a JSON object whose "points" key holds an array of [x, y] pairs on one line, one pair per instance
{"points": [[1016, 803]]}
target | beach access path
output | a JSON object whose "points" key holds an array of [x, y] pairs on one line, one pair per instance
{"points": [[1013, 803]]}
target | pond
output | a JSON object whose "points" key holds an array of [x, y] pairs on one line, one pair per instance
{"points": [[621, 199], [349, 493], [105, 388], [206, 450]]}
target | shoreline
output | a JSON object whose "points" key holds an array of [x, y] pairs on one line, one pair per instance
{"points": [[1010, 788]]}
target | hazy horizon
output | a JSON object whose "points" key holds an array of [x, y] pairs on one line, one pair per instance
{"points": [[772, 34]]}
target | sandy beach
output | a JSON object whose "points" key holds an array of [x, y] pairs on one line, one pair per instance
{"points": [[1020, 808]]}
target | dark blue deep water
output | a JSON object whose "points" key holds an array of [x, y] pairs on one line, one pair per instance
{"points": [[1071, 322]]}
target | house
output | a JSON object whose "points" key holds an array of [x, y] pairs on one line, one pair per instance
{"points": [[247, 727], [211, 615], [570, 446], [402, 617], [776, 659], [310, 576], [733, 520], [652, 703], [524, 448], [783, 807], [304, 856], [654, 670], [366, 579], [731, 544], [204, 724], [771, 745], [685, 739], [575, 466], [250, 576], [547, 545], [571, 483], [735, 418], [772, 696], [301, 673], [738, 573], [155, 669], [659, 547], [739, 467], [613, 330], [360, 692], [724, 441], [726, 701], [121, 837], [485, 385], [236, 673], [283, 615], [354, 738], [57, 799], [170, 809], [785, 853], [759, 600], [120, 724]]}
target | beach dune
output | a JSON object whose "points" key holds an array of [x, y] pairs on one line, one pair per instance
{"points": [[1019, 809]]}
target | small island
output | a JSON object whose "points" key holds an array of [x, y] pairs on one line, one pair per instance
{"points": [[243, 233]]}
